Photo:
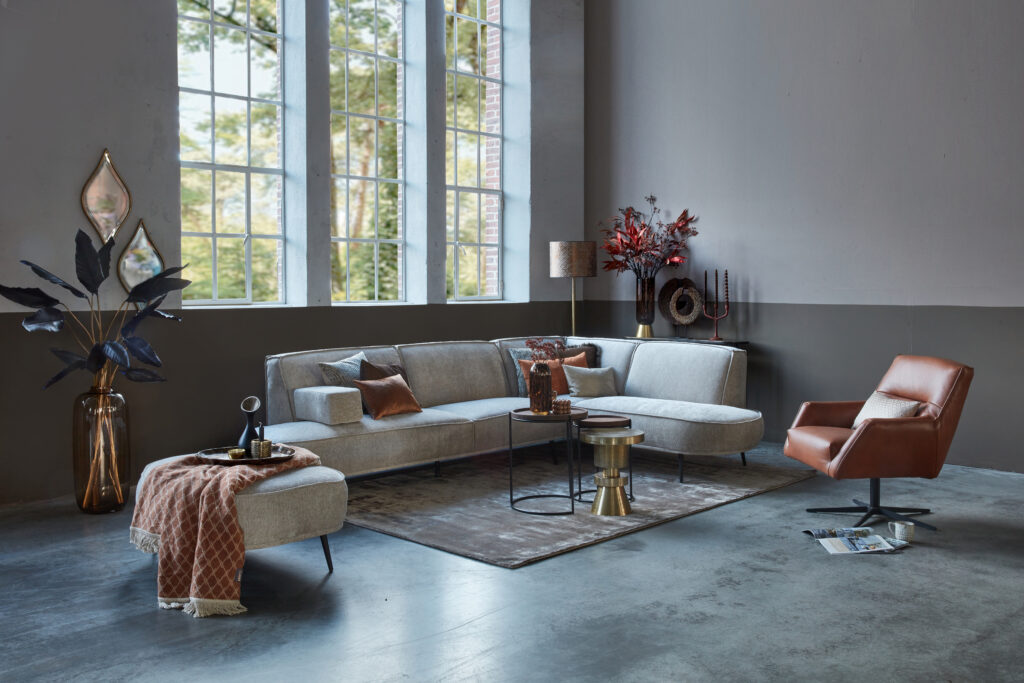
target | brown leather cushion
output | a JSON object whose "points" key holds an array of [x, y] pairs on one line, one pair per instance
{"points": [[368, 370], [559, 383], [816, 446], [388, 396]]}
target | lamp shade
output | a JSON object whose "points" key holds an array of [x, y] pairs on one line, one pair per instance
{"points": [[573, 259]]}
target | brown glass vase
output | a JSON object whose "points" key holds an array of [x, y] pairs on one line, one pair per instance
{"points": [[540, 388], [100, 451], [644, 306]]}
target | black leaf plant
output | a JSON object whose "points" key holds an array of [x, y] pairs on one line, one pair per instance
{"points": [[107, 346]]}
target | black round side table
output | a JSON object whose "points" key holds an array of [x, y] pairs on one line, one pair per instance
{"points": [[527, 415]]}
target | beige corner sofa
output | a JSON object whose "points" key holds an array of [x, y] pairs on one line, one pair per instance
{"points": [[688, 399]]}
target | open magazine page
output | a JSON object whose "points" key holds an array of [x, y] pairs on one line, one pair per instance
{"points": [[845, 545], [845, 532]]}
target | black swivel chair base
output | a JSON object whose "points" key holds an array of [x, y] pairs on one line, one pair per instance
{"points": [[874, 508]]}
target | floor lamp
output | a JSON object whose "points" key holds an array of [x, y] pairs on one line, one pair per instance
{"points": [[573, 260]]}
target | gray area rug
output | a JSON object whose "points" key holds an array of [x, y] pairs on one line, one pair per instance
{"points": [[465, 511]]}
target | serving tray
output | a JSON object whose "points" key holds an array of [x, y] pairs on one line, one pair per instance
{"points": [[219, 456]]}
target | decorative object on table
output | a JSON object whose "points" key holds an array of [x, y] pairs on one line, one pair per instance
{"points": [[611, 454], [562, 406], [572, 260], [644, 244], [226, 455], [590, 351], [680, 301], [260, 449], [559, 383], [105, 199], [540, 388], [198, 536], [100, 433], [902, 530], [715, 316], [140, 260], [249, 406]]}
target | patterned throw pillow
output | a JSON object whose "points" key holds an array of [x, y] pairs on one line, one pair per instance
{"points": [[342, 373], [590, 381], [558, 382], [880, 405]]}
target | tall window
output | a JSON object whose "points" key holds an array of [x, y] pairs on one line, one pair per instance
{"points": [[230, 115], [473, 148], [367, 141]]}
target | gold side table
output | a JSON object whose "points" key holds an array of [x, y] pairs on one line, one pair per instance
{"points": [[611, 453]]}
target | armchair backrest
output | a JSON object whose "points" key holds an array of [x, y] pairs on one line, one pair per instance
{"points": [[940, 385]]}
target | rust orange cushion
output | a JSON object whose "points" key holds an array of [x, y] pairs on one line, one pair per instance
{"points": [[388, 396], [558, 382]]}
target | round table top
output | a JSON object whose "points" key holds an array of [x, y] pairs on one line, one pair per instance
{"points": [[611, 437], [604, 422], [527, 415]]}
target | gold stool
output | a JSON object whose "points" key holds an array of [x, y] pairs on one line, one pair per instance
{"points": [[611, 453]]}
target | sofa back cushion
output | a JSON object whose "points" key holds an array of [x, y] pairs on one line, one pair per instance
{"points": [[287, 372], [699, 373], [614, 353], [450, 372]]}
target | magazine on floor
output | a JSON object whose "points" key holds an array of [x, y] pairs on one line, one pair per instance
{"points": [[854, 541]]}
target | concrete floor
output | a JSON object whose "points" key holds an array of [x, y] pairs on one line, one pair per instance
{"points": [[734, 593]]}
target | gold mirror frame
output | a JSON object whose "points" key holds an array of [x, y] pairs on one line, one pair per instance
{"points": [[103, 176], [140, 230]]}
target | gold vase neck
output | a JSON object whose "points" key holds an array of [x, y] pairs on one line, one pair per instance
{"points": [[100, 390]]}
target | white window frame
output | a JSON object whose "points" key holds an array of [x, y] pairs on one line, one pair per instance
{"points": [[455, 243], [400, 181], [248, 170]]}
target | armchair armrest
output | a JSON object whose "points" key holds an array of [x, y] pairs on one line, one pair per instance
{"points": [[889, 447], [328, 405], [827, 414]]}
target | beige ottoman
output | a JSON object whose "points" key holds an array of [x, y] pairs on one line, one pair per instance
{"points": [[292, 506]]}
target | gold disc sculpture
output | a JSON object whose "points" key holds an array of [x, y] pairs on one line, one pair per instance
{"points": [[611, 453]]}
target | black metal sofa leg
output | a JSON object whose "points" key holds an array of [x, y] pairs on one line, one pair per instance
{"points": [[743, 457], [680, 468], [327, 554]]}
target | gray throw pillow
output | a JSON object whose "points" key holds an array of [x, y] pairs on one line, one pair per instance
{"points": [[342, 373], [880, 405], [517, 355], [590, 381]]}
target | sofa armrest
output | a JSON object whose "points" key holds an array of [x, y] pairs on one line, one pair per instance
{"points": [[889, 447], [827, 414], [328, 405]]}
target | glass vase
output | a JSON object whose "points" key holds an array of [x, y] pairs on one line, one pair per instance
{"points": [[644, 306], [100, 451], [540, 388]]}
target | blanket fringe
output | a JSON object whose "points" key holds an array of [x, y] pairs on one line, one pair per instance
{"points": [[145, 541], [202, 607]]}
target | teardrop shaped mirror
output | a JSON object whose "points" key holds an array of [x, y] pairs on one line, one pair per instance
{"points": [[105, 198], [140, 260]]}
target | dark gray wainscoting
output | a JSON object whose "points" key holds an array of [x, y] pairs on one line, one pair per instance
{"points": [[212, 359], [832, 352]]}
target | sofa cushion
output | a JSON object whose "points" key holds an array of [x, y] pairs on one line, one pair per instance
{"points": [[682, 426], [591, 382], [344, 372], [679, 371], [377, 445], [448, 372], [614, 353], [329, 405], [490, 423], [388, 396]]}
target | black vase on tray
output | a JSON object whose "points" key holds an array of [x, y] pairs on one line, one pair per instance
{"points": [[250, 405]]}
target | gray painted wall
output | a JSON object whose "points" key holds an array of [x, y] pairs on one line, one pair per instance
{"points": [[837, 151]]}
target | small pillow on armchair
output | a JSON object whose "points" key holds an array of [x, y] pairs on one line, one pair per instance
{"points": [[558, 382], [388, 396], [590, 381], [881, 405]]}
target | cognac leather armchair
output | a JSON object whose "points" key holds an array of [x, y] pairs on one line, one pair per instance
{"points": [[823, 437]]}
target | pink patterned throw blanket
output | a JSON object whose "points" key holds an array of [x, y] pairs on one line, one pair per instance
{"points": [[186, 513]]}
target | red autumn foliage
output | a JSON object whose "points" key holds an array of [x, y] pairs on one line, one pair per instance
{"points": [[543, 350], [643, 244]]}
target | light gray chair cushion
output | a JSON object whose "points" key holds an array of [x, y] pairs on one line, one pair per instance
{"points": [[684, 427], [698, 373], [287, 372], [449, 372], [292, 506], [329, 405], [615, 353], [590, 381], [377, 445]]}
